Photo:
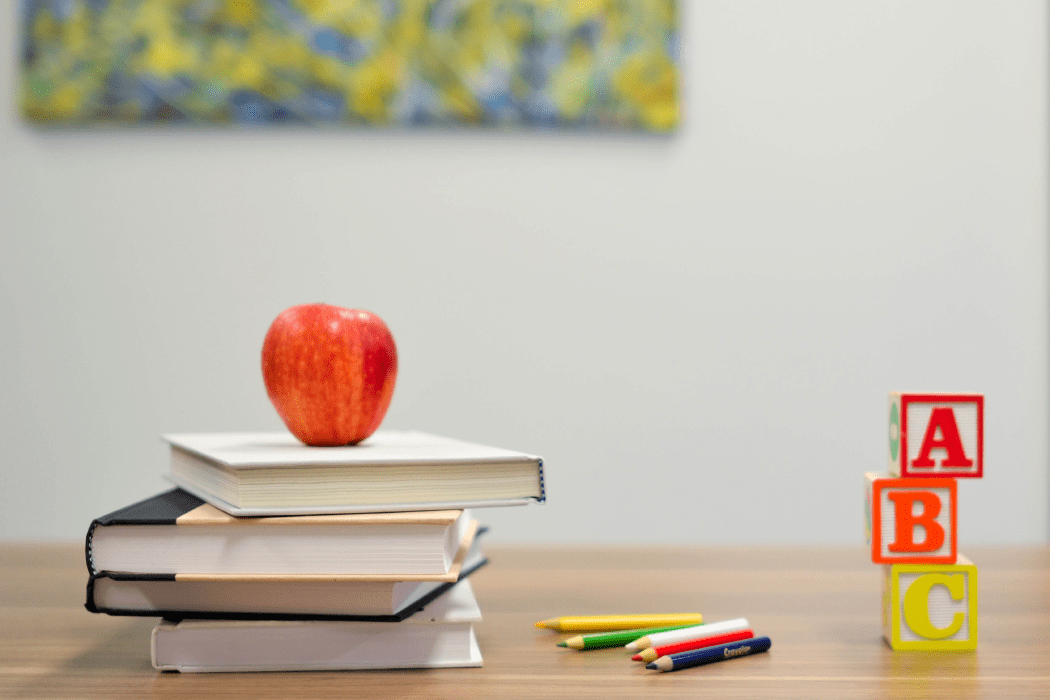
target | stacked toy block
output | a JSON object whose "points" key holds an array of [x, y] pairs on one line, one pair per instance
{"points": [[929, 590]]}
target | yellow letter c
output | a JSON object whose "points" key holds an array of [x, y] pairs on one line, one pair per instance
{"points": [[916, 604]]}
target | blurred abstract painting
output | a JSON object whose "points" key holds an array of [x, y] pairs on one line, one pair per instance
{"points": [[591, 64]]}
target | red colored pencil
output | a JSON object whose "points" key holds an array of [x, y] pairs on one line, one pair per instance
{"points": [[653, 653]]}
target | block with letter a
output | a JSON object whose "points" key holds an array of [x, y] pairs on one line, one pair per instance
{"points": [[936, 435], [911, 520], [930, 607]]}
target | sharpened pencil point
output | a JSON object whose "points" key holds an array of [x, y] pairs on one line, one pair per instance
{"points": [[546, 624], [577, 642], [562, 644], [652, 666], [636, 657]]}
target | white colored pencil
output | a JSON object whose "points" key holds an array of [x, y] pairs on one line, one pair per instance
{"points": [[687, 633]]}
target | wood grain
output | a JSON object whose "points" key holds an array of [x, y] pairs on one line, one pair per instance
{"points": [[819, 605]]}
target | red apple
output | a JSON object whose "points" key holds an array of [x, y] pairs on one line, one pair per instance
{"points": [[329, 372]]}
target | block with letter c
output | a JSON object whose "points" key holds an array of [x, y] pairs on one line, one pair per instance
{"points": [[930, 607]]}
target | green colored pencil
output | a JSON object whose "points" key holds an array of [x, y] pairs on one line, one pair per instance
{"points": [[613, 639]]}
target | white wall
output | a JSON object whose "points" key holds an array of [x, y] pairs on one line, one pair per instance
{"points": [[697, 333]]}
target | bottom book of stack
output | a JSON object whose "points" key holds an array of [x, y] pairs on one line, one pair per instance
{"points": [[441, 635]]}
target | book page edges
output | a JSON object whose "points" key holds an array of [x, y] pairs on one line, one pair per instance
{"points": [[474, 660], [260, 511], [208, 514], [451, 575]]}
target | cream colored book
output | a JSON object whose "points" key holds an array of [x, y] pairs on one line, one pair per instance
{"points": [[441, 635], [251, 474]]}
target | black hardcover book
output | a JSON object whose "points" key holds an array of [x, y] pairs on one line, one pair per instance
{"points": [[160, 595], [178, 533], [135, 567]]}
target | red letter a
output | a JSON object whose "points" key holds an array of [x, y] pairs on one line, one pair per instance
{"points": [[942, 418]]}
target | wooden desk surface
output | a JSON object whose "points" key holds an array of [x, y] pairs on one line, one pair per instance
{"points": [[819, 605]]}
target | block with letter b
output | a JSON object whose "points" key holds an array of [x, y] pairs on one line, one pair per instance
{"points": [[911, 520], [936, 435], [930, 607]]}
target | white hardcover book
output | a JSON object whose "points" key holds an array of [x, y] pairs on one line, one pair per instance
{"points": [[441, 635], [253, 474]]}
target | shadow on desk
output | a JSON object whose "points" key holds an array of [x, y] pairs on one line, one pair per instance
{"points": [[125, 650]]}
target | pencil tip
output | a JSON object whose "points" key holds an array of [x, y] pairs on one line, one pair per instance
{"points": [[542, 625], [636, 657], [562, 644], [652, 666]]}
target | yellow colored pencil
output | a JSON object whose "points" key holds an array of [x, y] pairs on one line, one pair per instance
{"points": [[601, 623]]}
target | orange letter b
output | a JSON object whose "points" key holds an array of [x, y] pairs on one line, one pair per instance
{"points": [[906, 521]]}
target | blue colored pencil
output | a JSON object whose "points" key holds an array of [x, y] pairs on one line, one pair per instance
{"points": [[709, 655]]}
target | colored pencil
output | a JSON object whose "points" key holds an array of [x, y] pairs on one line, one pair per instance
{"points": [[608, 623], [709, 655], [662, 638], [654, 653], [605, 640]]}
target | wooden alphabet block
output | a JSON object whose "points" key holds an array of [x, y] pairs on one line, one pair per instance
{"points": [[936, 435], [930, 607], [911, 521]]}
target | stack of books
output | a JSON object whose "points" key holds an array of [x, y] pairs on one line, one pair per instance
{"points": [[273, 556]]}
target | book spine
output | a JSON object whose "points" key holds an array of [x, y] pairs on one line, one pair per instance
{"points": [[90, 602], [543, 488], [87, 547], [94, 576]]}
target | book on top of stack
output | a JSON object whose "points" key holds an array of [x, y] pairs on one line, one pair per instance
{"points": [[275, 474], [318, 563]]}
